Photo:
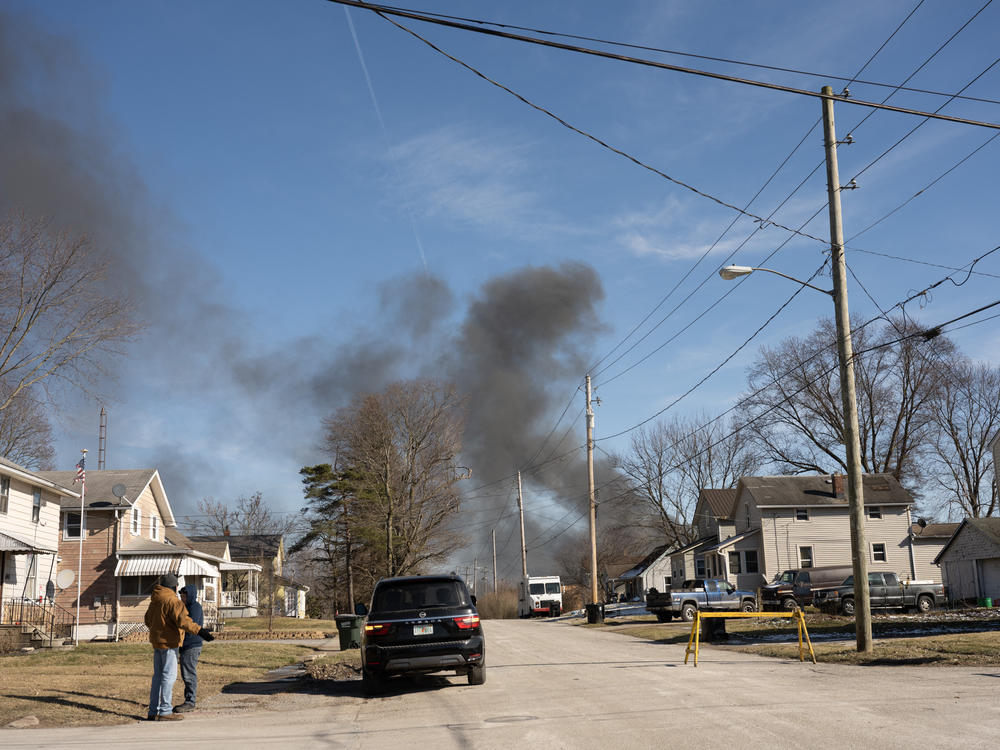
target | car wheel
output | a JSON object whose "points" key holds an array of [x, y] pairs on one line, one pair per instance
{"points": [[664, 617], [371, 683], [789, 605], [748, 606], [847, 607], [924, 604], [687, 612], [477, 674]]}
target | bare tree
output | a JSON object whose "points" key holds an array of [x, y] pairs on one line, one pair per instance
{"points": [[249, 515], [25, 433], [793, 409], [967, 415], [56, 322], [671, 462], [404, 443]]}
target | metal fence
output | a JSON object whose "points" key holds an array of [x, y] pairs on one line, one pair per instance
{"points": [[44, 619]]}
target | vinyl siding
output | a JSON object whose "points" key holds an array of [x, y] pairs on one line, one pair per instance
{"points": [[98, 585], [958, 563], [924, 552], [17, 521]]}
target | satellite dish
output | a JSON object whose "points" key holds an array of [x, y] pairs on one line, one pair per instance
{"points": [[65, 578], [922, 523], [118, 491]]}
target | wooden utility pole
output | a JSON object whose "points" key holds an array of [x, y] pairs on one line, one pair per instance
{"points": [[475, 577], [855, 489], [593, 499], [494, 561], [524, 550]]}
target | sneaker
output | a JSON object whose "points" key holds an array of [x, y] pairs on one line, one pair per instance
{"points": [[185, 706], [169, 717]]}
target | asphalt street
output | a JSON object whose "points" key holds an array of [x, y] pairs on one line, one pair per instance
{"points": [[550, 684]]}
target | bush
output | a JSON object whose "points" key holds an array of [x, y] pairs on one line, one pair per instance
{"points": [[499, 606]]}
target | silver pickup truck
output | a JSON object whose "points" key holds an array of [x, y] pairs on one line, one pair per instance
{"points": [[712, 594], [885, 591]]}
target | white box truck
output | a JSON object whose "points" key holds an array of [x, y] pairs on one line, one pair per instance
{"points": [[540, 596]]}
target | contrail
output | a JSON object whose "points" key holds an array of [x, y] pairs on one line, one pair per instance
{"points": [[385, 131]]}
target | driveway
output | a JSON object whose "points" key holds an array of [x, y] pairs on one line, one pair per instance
{"points": [[550, 684]]}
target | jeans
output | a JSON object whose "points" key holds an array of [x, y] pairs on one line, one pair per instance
{"points": [[189, 672], [161, 691]]}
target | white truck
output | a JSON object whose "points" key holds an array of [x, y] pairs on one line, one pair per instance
{"points": [[539, 596]]}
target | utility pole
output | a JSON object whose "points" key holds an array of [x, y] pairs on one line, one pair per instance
{"points": [[475, 577], [855, 489], [494, 561], [524, 551], [593, 498]]}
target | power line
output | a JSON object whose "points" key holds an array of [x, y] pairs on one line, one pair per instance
{"points": [[384, 12]]}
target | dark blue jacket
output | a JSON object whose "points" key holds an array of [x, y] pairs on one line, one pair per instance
{"points": [[195, 613]]}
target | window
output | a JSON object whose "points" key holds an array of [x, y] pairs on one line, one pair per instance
{"points": [[4, 493], [699, 567], [801, 514], [138, 585], [136, 520], [878, 552], [71, 526], [154, 527], [874, 512], [36, 504], [746, 507], [552, 588], [734, 563], [805, 557], [750, 561]]}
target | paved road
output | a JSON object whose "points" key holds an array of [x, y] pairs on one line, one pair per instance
{"points": [[553, 685]]}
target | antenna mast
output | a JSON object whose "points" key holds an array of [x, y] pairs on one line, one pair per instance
{"points": [[102, 440]]}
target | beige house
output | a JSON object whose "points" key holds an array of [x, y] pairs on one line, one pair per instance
{"points": [[970, 560], [926, 543], [771, 524]]}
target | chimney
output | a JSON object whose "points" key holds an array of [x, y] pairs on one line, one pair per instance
{"points": [[225, 531], [838, 485]]}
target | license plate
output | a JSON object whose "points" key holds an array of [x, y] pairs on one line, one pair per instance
{"points": [[423, 629]]}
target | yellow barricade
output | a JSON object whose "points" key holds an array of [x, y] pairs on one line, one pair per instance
{"points": [[804, 641]]}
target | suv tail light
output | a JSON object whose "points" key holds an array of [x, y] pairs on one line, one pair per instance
{"points": [[468, 622], [377, 628]]}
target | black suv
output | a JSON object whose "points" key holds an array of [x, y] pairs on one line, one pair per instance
{"points": [[421, 624]]}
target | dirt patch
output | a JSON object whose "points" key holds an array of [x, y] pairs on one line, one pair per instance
{"points": [[338, 671]]}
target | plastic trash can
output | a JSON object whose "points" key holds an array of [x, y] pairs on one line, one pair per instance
{"points": [[349, 630], [595, 613]]}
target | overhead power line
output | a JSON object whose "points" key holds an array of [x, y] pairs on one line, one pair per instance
{"points": [[386, 11]]}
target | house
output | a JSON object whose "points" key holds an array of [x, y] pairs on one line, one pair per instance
{"points": [[653, 571], [926, 542], [241, 588], [712, 522], [122, 544], [778, 523], [29, 544], [970, 560]]}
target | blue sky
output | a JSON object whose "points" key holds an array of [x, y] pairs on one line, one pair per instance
{"points": [[279, 202]]}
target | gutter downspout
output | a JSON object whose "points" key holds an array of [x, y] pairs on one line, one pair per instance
{"points": [[114, 551]]}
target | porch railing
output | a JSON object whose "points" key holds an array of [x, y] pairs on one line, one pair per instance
{"points": [[44, 619], [238, 599]]}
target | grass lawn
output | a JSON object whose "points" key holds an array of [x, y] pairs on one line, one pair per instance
{"points": [[971, 641], [108, 683], [280, 623]]}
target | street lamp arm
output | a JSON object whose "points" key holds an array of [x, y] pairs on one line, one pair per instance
{"points": [[731, 272], [797, 281]]}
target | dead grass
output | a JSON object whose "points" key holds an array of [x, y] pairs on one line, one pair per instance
{"points": [[280, 624], [108, 683]]}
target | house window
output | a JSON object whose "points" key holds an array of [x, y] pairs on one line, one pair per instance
{"points": [[154, 527], [874, 512], [137, 585], [734, 563], [36, 505], [4, 493], [136, 520], [805, 557], [699, 567], [72, 526], [801, 514], [878, 552], [750, 561], [746, 507]]}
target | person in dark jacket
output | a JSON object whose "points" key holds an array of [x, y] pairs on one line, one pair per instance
{"points": [[167, 620], [190, 649]]}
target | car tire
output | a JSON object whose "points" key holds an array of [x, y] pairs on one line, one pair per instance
{"points": [[477, 674], [371, 683], [924, 604], [688, 612], [748, 606], [789, 605], [664, 617], [847, 607]]}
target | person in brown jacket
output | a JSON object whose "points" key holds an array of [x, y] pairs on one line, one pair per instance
{"points": [[167, 620]]}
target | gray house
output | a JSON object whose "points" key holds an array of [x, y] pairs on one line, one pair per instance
{"points": [[970, 560]]}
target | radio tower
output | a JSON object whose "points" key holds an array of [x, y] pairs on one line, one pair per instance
{"points": [[102, 440]]}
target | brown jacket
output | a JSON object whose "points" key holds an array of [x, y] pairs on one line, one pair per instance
{"points": [[167, 619]]}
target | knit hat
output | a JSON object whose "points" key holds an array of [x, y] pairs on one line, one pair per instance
{"points": [[169, 580]]}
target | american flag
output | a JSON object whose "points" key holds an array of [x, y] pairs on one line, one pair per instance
{"points": [[81, 475]]}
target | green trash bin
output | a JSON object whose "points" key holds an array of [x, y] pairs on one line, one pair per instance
{"points": [[349, 630]]}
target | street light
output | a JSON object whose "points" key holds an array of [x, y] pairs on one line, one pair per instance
{"points": [[855, 493]]}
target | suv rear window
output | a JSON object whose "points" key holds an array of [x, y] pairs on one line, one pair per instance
{"points": [[419, 595]]}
